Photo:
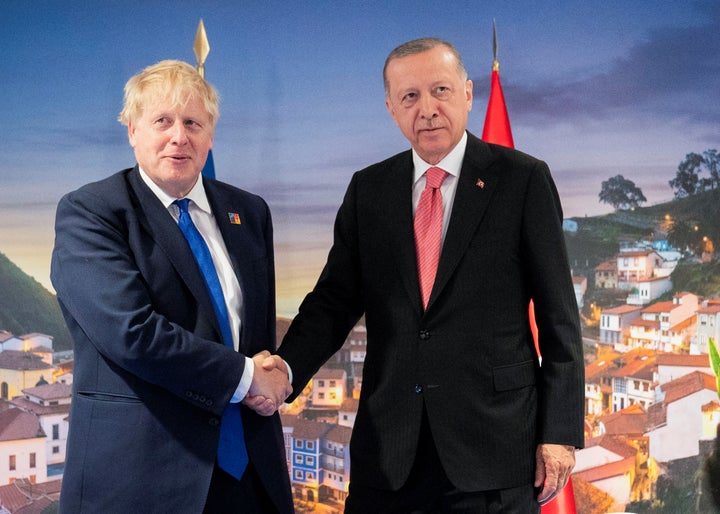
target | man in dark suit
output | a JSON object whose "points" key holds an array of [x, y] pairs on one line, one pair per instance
{"points": [[456, 413], [162, 357]]}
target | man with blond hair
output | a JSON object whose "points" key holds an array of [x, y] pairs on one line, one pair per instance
{"points": [[166, 281]]}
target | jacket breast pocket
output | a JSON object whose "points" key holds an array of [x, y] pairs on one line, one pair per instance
{"points": [[514, 376]]}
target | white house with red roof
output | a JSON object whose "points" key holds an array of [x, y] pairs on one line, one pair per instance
{"points": [[51, 404], [615, 323], [22, 447], [664, 326], [675, 420], [708, 327], [675, 365], [608, 463]]}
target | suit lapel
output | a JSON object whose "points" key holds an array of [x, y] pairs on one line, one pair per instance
{"points": [[235, 236], [165, 232], [476, 184], [400, 225]]}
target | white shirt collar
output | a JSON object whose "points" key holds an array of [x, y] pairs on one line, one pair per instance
{"points": [[196, 194], [452, 162]]}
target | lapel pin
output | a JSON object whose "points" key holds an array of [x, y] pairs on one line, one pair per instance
{"points": [[234, 218], [480, 183]]}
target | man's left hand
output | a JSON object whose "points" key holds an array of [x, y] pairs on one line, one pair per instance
{"points": [[554, 463]]}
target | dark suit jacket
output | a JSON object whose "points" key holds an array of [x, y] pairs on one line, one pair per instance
{"points": [[151, 380], [469, 359]]}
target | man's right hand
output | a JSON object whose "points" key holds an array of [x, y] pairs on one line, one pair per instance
{"points": [[270, 386]]}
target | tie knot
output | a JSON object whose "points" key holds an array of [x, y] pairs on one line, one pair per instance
{"points": [[182, 204], [434, 177]]}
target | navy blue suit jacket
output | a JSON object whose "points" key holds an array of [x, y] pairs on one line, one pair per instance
{"points": [[469, 360], [151, 379]]}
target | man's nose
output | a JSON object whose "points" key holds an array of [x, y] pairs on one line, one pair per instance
{"points": [[179, 133], [428, 106]]}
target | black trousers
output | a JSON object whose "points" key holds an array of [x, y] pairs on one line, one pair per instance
{"points": [[227, 495], [429, 491]]}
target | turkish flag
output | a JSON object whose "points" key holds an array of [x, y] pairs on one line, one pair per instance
{"points": [[497, 131]]}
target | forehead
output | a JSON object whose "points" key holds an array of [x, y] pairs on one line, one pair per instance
{"points": [[180, 103], [426, 68]]}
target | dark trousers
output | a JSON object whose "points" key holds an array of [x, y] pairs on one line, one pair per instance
{"points": [[429, 491], [227, 495]]}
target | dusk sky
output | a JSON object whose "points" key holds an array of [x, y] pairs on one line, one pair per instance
{"points": [[596, 89]]}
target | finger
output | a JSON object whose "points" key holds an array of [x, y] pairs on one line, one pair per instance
{"points": [[546, 495], [273, 361]]}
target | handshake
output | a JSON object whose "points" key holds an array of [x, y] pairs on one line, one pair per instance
{"points": [[270, 384]]}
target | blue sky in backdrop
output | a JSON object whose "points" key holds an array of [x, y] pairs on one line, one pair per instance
{"points": [[594, 88]]}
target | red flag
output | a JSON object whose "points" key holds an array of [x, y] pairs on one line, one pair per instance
{"points": [[497, 124], [497, 131]]}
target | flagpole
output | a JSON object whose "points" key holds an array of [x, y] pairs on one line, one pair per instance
{"points": [[201, 47]]}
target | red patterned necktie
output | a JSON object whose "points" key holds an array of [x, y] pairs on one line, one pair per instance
{"points": [[428, 230]]}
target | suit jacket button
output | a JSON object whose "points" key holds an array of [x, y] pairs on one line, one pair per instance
{"points": [[424, 335], [418, 388]]}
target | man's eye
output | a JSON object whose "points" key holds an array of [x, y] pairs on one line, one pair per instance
{"points": [[408, 99], [442, 91]]}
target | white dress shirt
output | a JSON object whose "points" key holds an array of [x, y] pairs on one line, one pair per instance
{"points": [[452, 163]]}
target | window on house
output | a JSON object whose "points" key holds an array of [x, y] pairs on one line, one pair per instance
{"points": [[309, 476], [321, 383], [298, 459], [310, 461], [13, 463], [298, 443], [298, 475], [32, 461], [321, 396], [56, 432], [310, 445], [56, 449], [332, 383]]}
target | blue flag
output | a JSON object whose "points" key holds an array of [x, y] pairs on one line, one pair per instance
{"points": [[209, 168]]}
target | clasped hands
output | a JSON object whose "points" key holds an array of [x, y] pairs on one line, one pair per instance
{"points": [[270, 385]]}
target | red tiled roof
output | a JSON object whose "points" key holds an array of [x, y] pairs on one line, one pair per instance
{"points": [[641, 367], [350, 404], [630, 421], [339, 434], [660, 307], [651, 323], [305, 428], [677, 359], [330, 373], [686, 385], [16, 424], [614, 444], [621, 309], [56, 391], [607, 266], [609, 470], [21, 361]]}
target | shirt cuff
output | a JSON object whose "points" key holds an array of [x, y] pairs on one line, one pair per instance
{"points": [[245, 382]]}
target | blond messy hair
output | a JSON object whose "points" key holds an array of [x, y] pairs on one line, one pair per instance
{"points": [[171, 79]]}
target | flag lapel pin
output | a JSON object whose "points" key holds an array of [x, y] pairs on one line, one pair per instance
{"points": [[234, 218], [480, 183]]}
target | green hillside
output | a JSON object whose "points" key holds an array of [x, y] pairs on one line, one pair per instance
{"points": [[27, 307], [598, 238]]}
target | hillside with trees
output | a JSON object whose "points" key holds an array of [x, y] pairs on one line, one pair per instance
{"points": [[27, 307]]}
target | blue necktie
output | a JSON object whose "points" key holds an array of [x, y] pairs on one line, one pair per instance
{"points": [[232, 454]]}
